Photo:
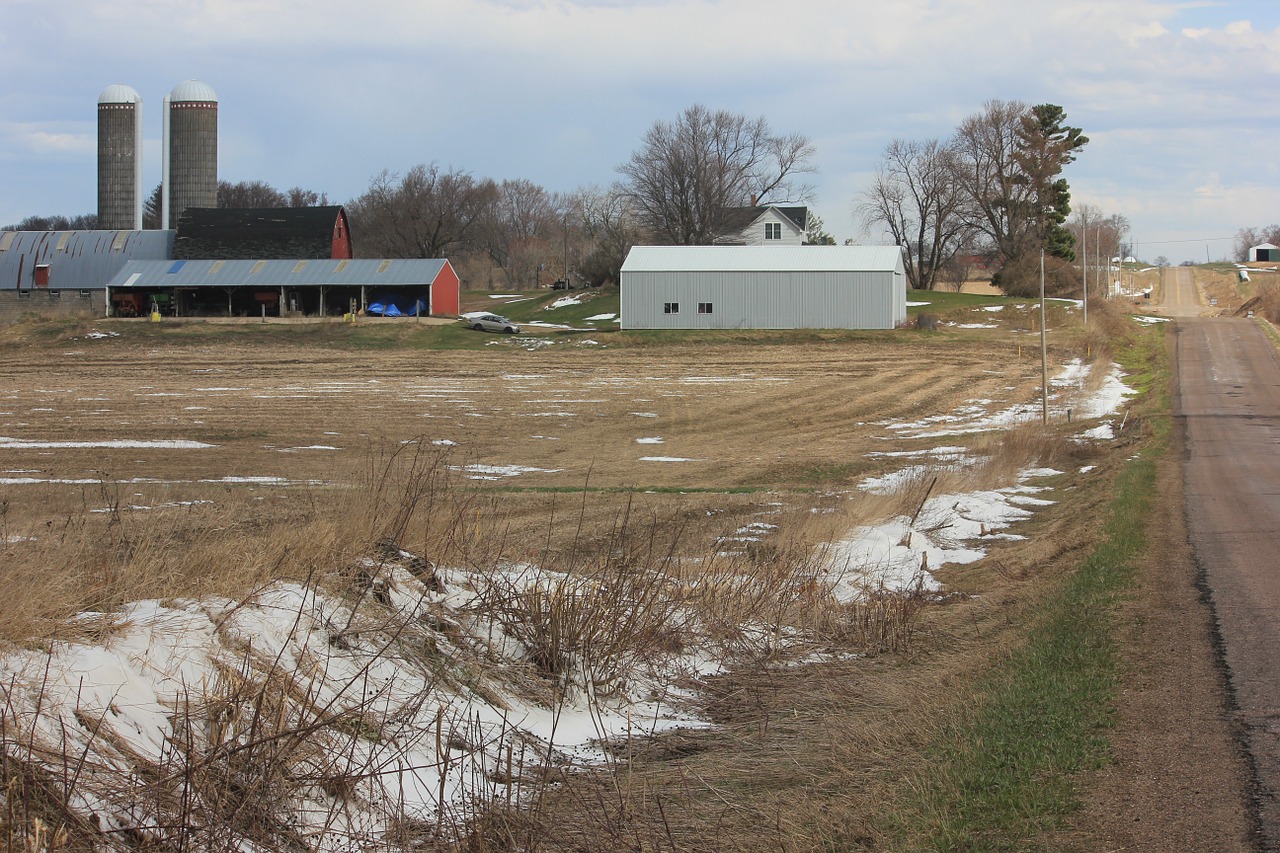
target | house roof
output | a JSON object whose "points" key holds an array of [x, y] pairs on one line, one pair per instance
{"points": [[763, 259], [257, 232], [738, 218], [78, 260], [260, 272]]}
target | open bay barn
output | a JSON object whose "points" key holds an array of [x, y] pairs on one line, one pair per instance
{"points": [[764, 287]]}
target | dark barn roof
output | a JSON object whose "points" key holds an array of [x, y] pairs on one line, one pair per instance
{"points": [[258, 232]]}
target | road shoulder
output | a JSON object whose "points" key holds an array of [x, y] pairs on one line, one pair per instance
{"points": [[1179, 779]]}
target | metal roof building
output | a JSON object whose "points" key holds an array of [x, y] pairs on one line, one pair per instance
{"points": [[764, 287], [313, 286], [65, 272]]}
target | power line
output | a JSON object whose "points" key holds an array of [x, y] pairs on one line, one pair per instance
{"points": [[1194, 240]]}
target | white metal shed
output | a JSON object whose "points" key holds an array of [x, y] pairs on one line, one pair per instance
{"points": [[1264, 252], [764, 287]]}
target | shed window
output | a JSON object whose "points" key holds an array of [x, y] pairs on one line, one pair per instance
{"points": [[671, 308], [704, 308], [773, 230], [55, 294]]}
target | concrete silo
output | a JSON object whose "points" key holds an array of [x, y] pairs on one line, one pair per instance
{"points": [[119, 159], [190, 150]]}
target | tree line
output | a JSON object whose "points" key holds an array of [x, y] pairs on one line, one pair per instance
{"points": [[992, 193]]}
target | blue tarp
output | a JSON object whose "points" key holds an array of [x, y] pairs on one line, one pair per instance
{"points": [[397, 306]]}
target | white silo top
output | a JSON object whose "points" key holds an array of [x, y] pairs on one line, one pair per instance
{"points": [[119, 93], [193, 90]]}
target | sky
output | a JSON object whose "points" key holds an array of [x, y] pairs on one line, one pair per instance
{"points": [[1179, 99]]}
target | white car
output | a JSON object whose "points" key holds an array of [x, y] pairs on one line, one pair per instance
{"points": [[492, 323]]}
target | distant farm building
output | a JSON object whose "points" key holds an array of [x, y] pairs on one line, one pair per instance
{"points": [[64, 273], [273, 233], [184, 288], [238, 263], [1266, 253], [763, 287]]}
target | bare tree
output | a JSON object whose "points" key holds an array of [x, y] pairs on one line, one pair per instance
{"points": [[689, 173], [298, 197], [82, 222], [609, 228], [1012, 155], [425, 214], [252, 194], [987, 147], [917, 196], [249, 194], [524, 223], [1102, 238]]}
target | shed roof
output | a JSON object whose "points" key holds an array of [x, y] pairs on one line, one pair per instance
{"points": [[257, 232], [763, 259], [279, 273], [79, 259]]}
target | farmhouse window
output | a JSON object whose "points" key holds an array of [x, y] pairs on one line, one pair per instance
{"points": [[704, 308], [671, 308], [773, 230]]}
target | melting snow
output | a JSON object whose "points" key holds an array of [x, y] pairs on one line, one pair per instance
{"points": [[131, 444]]}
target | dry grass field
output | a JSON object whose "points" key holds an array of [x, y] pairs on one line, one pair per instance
{"points": [[184, 461], [248, 436]]}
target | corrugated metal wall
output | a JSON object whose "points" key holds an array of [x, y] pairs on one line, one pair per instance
{"points": [[764, 300]]}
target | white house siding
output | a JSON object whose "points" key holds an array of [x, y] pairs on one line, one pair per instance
{"points": [[753, 234]]}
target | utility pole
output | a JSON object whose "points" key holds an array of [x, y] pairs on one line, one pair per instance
{"points": [[1044, 353], [1084, 267]]}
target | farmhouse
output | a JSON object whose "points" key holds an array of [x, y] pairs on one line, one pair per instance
{"points": [[763, 287], [764, 225]]}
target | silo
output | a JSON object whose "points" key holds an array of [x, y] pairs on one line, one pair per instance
{"points": [[191, 150], [119, 159]]}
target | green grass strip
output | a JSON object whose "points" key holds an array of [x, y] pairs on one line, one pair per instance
{"points": [[1006, 774]]}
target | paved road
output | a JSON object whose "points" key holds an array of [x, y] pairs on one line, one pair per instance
{"points": [[1228, 397]]}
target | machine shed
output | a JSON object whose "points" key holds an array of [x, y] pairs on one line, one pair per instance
{"points": [[209, 287], [764, 287]]}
